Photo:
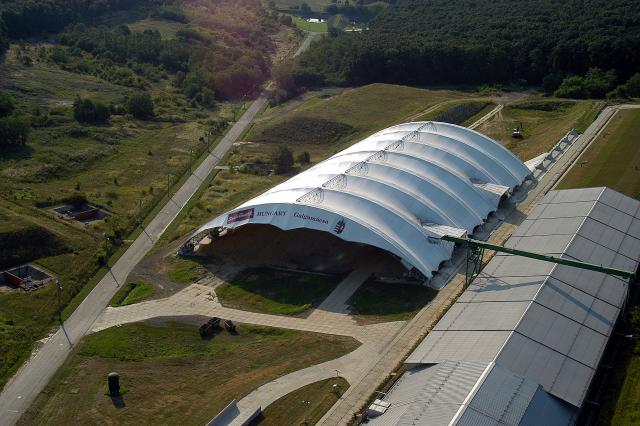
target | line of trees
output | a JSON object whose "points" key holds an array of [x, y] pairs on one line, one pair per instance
{"points": [[481, 41]]}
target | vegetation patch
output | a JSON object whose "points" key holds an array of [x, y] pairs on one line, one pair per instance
{"points": [[458, 113], [377, 301], [185, 270], [544, 105], [169, 371], [276, 292], [305, 406], [612, 160], [543, 124], [131, 293], [26, 244], [304, 130]]}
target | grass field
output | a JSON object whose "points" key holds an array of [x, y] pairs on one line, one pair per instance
{"points": [[276, 292], [544, 123], [172, 375], [613, 160], [306, 405], [376, 301]]}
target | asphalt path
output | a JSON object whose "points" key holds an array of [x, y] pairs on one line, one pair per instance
{"points": [[306, 42], [33, 376]]}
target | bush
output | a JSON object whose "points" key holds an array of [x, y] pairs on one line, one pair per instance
{"points": [[140, 105], [88, 111], [283, 160]]}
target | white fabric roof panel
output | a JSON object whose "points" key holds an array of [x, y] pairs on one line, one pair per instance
{"points": [[384, 189], [567, 314]]}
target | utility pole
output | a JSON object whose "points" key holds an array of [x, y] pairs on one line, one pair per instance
{"points": [[168, 185], [106, 249], [306, 411], [58, 294]]}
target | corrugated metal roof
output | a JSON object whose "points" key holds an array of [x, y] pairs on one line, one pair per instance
{"points": [[546, 323], [442, 346], [433, 392]]}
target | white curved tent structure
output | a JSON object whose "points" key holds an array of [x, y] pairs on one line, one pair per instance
{"points": [[393, 190]]}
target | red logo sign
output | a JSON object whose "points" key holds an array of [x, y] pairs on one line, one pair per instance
{"points": [[240, 215]]}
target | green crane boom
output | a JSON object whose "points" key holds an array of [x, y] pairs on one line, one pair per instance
{"points": [[577, 264]]}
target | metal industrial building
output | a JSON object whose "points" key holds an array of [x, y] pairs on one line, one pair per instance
{"points": [[393, 191], [523, 342]]}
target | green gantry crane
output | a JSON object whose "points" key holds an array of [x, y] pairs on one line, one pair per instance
{"points": [[476, 248]]}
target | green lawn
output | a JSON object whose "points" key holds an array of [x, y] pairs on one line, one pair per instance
{"points": [[613, 159], [291, 410], [131, 293], [377, 301], [276, 292], [304, 25], [171, 374]]}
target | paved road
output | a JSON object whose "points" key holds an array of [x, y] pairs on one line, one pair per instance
{"points": [[20, 392], [306, 42], [487, 116]]}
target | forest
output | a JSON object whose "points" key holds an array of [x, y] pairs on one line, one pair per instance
{"points": [[223, 62], [435, 42]]}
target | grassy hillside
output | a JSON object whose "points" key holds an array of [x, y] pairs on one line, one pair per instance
{"points": [[613, 160]]}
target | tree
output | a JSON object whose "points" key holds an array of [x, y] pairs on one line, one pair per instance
{"points": [[633, 85], [304, 157], [13, 131], [598, 83], [88, 111], [283, 160], [140, 105], [572, 87], [6, 105]]}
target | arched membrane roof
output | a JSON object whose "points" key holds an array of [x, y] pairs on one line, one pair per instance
{"points": [[393, 190]]}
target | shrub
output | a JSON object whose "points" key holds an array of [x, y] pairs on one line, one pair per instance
{"points": [[88, 111], [140, 105]]}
